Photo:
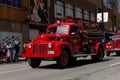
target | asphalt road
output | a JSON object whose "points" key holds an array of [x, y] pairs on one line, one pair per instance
{"points": [[84, 69]]}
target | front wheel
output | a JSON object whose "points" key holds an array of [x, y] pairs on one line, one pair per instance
{"points": [[99, 55], [33, 62], [63, 60]]}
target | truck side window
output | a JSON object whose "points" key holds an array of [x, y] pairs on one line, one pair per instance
{"points": [[74, 30], [52, 30]]}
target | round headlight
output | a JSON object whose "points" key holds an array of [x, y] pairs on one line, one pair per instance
{"points": [[49, 45], [29, 46]]}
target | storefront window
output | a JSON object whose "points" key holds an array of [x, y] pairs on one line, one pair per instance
{"points": [[59, 9], [68, 10], [12, 3], [119, 6], [92, 16], [86, 15], [78, 13]]}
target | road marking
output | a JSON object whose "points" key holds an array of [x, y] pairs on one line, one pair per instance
{"points": [[15, 70], [118, 63]]}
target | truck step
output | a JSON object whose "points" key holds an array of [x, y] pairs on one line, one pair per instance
{"points": [[83, 54]]}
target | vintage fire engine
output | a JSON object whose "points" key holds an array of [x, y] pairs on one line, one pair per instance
{"points": [[64, 42], [113, 45]]}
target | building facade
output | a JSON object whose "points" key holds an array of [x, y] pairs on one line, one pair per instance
{"points": [[12, 20], [112, 7], [24, 19], [51, 10]]}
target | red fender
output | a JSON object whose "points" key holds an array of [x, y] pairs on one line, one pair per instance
{"points": [[97, 47], [59, 47]]}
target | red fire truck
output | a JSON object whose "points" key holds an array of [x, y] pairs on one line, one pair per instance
{"points": [[64, 42], [113, 45]]}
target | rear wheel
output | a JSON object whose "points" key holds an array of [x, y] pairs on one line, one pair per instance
{"points": [[99, 55], [63, 60], [33, 62]]}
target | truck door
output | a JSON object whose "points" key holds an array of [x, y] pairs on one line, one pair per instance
{"points": [[74, 38]]}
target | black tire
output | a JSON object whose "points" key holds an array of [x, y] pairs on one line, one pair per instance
{"points": [[99, 56], [108, 53], [63, 60], [118, 53], [33, 62], [73, 60]]}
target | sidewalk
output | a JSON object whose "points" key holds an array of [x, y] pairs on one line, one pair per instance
{"points": [[19, 60]]}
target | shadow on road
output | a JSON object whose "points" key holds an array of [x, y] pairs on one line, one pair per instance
{"points": [[78, 63]]}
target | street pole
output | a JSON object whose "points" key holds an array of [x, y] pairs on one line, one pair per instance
{"points": [[112, 19], [102, 15], [112, 5]]}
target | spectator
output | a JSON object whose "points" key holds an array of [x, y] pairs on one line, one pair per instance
{"points": [[4, 50], [9, 52], [1, 54], [16, 49]]}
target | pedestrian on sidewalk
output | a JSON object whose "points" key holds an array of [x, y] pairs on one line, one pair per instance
{"points": [[4, 51], [9, 52], [16, 49]]}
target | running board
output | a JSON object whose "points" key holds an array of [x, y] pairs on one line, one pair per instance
{"points": [[83, 54]]}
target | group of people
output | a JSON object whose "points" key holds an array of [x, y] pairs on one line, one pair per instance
{"points": [[10, 51]]}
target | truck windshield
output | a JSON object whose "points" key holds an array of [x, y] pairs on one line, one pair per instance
{"points": [[62, 30]]}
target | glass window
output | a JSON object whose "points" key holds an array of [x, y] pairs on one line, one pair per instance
{"points": [[74, 30], [92, 16], [68, 10], [52, 30], [109, 3], [86, 15], [59, 11], [62, 30], [119, 6], [114, 37], [14, 3], [78, 13]]}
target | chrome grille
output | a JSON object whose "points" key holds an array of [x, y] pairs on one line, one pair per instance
{"points": [[115, 43], [40, 48]]}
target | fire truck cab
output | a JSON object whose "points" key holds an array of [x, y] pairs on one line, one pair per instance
{"points": [[113, 45], [64, 42]]}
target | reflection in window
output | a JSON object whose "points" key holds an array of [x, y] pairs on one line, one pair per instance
{"points": [[86, 15], [62, 30], [59, 9], [78, 12], [68, 10], [92, 16]]}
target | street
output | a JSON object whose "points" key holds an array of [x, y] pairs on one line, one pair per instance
{"points": [[84, 69]]}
